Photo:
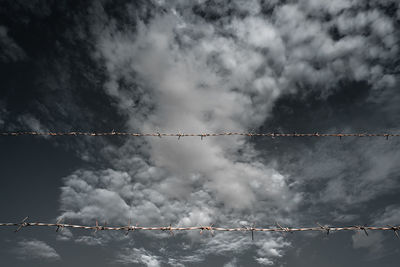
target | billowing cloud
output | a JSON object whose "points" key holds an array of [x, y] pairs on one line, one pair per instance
{"points": [[207, 66]]}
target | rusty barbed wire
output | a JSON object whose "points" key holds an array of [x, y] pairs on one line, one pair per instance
{"points": [[201, 135], [129, 228]]}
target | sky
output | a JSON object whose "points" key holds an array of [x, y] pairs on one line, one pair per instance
{"points": [[193, 67]]}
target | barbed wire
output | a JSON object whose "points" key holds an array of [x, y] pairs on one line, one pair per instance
{"points": [[202, 135], [130, 228]]}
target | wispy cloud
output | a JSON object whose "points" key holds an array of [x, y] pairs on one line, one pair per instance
{"points": [[10, 51], [373, 242], [390, 216], [139, 256], [64, 235], [32, 123], [35, 249], [232, 263], [89, 240]]}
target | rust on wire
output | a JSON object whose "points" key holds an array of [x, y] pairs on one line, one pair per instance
{"points": [[211, 228], [201, 135]]}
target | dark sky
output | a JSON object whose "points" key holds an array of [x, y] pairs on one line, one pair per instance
{"points": [[193, 67]]}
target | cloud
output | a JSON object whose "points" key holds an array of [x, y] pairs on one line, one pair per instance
{"points": [[192, 68], [32, 123], [10, 50], [139, 256], [390, 216], [35, 249], [373, 242], [193, 75], [264, 261], [89, 240], [212, 66], [3, 113], [232, 263], [368, 171], [64, 234]]}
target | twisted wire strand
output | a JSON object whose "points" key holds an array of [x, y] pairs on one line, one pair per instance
{"points": [[129, 227], [202, 135]]}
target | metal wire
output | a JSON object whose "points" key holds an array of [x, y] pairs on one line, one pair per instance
{"points": [[128, 228], [202, 135]]}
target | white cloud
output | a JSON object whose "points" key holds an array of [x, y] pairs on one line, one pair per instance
{"points": [[180, 72], [140, 256], [64, 234], [35, 249], [272, 247], [331, 7], [186, 86], [264, 261]]}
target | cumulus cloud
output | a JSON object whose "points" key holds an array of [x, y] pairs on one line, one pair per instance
{"points": [[184, 82], [35, 249], [192, 68]]}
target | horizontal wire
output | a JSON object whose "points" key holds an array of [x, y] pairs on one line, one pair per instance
{"points": [[211, 228], [179, 135]]}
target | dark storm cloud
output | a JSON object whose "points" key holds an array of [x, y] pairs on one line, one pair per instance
{"points": [[212, 66]]}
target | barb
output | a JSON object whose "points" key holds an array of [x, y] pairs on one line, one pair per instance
{"points": [[210, 228], [395, 229], [169, 228], [202, 135], [179, 136], [252, 231], [129, 228], [23, 223], [324, 228], [59, 225], [284, 229], [363, 228]]}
